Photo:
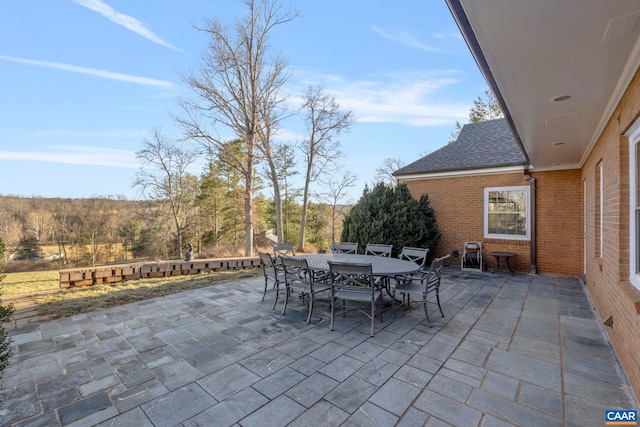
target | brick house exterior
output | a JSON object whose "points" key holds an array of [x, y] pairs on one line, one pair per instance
{"points": [[486, 155], [587, 191]]}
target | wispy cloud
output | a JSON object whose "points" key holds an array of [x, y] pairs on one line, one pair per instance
{"points": [[129, 22], [77, 155], [91, 71], [84, 134], [410, 98], [445, 36], [406, 39]]}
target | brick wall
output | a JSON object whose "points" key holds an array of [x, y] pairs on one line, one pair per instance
{"points": [[607, 274], [459, 206], [559, 224]]}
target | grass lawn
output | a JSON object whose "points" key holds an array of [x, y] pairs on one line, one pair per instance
{"points": [[81, 300], [29, 282]]}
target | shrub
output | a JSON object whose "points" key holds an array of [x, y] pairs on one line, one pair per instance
{"points": [[391, 216]]}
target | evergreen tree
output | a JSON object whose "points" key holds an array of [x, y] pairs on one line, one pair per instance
{"points": [[5, 315], [392, 216], [483, 109], [28, 248], [317, 225]]}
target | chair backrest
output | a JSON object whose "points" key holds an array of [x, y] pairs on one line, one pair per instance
{"points": [[345, 248], [285, 249], [435, 272], [378, 250], [265, 259], [417, 255], [296, 269], [268, 267], [351, 275]]}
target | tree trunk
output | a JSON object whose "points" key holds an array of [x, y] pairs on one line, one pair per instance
{"points": [[179, 238], [333, 223], [248, 204], [305, 205], [277, 198]]}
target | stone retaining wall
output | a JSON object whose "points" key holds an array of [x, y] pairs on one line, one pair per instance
{"points": [[89, 276]]}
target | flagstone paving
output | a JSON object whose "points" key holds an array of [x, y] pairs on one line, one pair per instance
{"points": [[512, 350]]}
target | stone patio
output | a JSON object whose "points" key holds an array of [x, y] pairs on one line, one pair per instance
{"points": [[512, 350]]}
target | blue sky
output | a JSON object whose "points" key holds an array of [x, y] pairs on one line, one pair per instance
{"points": [[83, 82]]}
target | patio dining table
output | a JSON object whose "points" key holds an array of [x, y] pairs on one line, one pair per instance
{"points": [[380, 266]]}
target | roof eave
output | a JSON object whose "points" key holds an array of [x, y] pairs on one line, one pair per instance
{"points": [[462, 172], [459, 15]]}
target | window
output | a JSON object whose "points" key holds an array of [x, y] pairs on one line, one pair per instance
{"points": [[634, 204], [507, 213], [598, 209]]}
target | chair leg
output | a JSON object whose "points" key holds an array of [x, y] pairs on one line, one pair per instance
{"points": [[333, 303], [266, 284], [393, 302], [373, 315], [438, 299], [275, 300], [426, 311], [286, 300], [310, 307]]}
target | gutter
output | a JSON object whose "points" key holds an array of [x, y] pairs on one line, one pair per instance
{"points": [[534, 246]]}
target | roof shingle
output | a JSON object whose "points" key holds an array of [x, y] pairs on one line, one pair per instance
{"points": [[481, 145]]}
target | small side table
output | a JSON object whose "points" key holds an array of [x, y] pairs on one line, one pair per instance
{"points": [[502, 258]]}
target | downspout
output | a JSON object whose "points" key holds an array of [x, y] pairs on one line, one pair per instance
{"points": [[460, 16], [532, 193]]}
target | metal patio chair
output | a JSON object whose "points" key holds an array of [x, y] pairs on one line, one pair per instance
{"points": [[283, 249], [354, 282], [344, 248], [417, 255], [383, 251], [421, 283], [272, 272], [378, 250], [301, 279]]}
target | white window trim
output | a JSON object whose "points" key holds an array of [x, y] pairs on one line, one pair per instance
{"points": [[601, 207], [634, 137], [524, 188]]}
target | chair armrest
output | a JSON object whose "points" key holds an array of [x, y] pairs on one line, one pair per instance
{"points": [[278, 267], [417, 276]]}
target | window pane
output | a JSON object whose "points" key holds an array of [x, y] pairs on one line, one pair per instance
{"points": [[507, 212], [637, 240], [637, 175]]}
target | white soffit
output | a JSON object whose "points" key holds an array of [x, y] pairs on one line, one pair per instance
{"points": [[538, 51]]}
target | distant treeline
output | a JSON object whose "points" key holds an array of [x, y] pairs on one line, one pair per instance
{"points": [[102, 230]]}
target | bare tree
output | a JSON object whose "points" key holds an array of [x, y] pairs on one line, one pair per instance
{"points": [[337, 193], [92, 235], [39, 221], [324, 122], [236, 88], [60, 228], [280, 163], [385, 171], [10, 231], [166, 180], [273, 112]]}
